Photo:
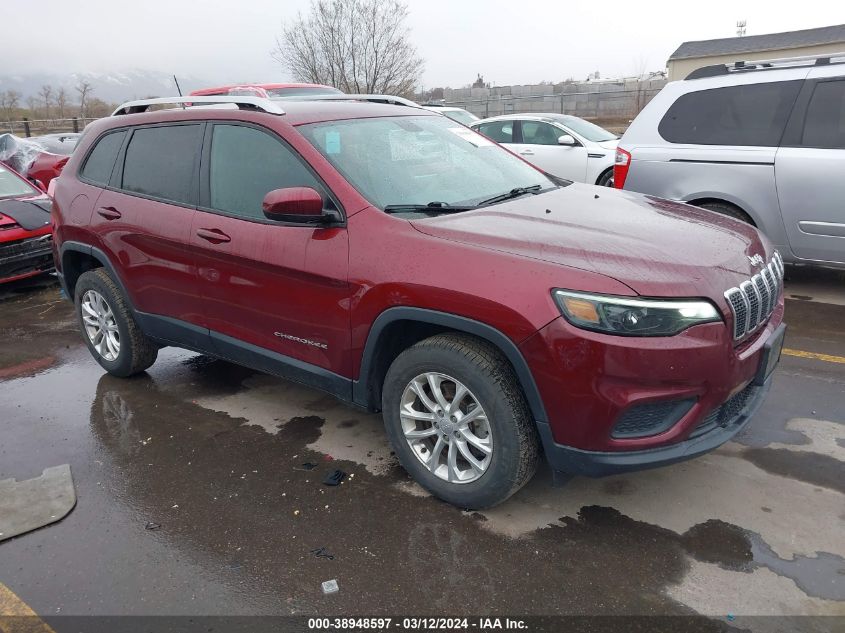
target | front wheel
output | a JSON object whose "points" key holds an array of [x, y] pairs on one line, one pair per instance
{"points": [[458, 420]]}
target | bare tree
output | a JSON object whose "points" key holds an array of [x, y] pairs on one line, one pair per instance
{"points": [[46, 93], [639, 65], [358, 46], [97, 108], [84, 89], [32, 106], [61, 101], [9, 101]]}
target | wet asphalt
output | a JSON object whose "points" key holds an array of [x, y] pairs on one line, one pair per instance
{"points": [[200, 492]]}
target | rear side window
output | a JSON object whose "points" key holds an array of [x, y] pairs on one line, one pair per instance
{"points": [[499, 131], [824, 126], [160, 162], [246, 164], [100, 161], [753, 114]]}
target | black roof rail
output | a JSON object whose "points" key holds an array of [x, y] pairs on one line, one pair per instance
{"points": [[766, 64]]}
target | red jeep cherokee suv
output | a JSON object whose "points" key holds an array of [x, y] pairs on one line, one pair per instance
{"points": [[406, 264]]}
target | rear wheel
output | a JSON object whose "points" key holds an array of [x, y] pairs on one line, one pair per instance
{"points": [[458, 421], [728, 209], [110, 331]]}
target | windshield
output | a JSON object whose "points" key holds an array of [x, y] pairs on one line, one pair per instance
{"points": [[419, 160], [11, 185], [303, 91], [461, 116], [589, 131]]}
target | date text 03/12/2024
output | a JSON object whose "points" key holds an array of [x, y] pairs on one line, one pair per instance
{"points": [[416, 624]]}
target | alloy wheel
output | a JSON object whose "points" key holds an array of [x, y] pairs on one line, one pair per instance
{"points": [[100, 325], [446, 427]]}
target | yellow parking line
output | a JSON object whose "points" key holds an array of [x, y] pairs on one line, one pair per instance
{"points": [[17, 617], [825, 357]]}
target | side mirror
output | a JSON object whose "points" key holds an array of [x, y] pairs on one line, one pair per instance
{"points": [[293, 204], [566, 139]]}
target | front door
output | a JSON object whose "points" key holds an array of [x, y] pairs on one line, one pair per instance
{"points": [[539, 146], [810, 170], [272, 292]]}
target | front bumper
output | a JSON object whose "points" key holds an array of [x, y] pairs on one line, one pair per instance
{"points": [[600, 464], [614, 404], [24, 258]]}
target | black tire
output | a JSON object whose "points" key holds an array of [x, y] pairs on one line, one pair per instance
{"points": [[606, 178], [137, 352], [725, 208], [491, 379]]}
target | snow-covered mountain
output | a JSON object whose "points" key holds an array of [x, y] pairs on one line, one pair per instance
{"points": [[110, 87]]}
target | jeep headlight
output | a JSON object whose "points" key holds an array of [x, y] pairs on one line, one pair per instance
{"points": [[626, 316]]}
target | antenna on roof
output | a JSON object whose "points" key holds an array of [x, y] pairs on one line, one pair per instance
{"points": [[740, 27], [178, 89]]}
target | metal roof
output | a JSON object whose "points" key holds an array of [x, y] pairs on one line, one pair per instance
{"points": [[754, 43]]}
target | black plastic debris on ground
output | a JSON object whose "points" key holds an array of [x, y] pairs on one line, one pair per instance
{"points": [[321, 552], [152, 526], [309, 466], [334, 478]]}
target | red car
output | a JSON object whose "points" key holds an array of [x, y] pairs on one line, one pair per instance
{"points": [[40, 159], [25, 232], [268, 90], [406, 264]]}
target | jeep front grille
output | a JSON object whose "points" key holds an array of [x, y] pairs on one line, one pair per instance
{"points": [[754, 300]]}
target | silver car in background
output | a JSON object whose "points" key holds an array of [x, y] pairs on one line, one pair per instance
{"points": [[760, 141]]}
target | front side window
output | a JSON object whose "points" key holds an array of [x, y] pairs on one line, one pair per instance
{"points": [[101, 160], [824, 126], [499, 131], [246, 164], [539, 133], [160, 162], [421, 160], [746, 115]]}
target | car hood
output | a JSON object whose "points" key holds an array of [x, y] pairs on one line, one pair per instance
{"points": [[656, 247], [609, 144]]}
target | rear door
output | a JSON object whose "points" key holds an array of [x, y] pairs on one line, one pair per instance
{"points": [[143, 219], [810, 169], [540, 147], [269, 288]]}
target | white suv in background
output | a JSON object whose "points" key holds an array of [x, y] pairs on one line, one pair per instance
{"points": [[760, 141], [560, 144]]}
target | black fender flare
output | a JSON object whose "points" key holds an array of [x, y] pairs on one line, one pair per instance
{"points": [[361, 387], [100, 256]]}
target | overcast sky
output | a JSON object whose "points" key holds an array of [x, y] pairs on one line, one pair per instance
{"points": [[508, 41]]}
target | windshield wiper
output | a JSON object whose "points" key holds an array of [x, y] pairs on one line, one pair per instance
{"points": [[510, 195], [431, 207]]}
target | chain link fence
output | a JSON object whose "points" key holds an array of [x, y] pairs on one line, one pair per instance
{"points": [[611, 104]]}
